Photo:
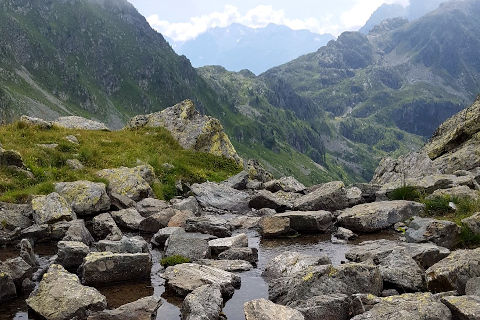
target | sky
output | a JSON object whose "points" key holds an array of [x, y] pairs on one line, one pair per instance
{"points": [[182, 20]]}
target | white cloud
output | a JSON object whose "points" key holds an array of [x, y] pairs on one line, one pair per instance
{"points": [[361, 11]]}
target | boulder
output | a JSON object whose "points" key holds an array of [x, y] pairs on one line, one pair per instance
{"points": [[189, 203], [453, 272], [287, 184], [7, 287], [37, 122], [473, 223], [120, 201], [227, 265], [219, 245], [190, 245], [262, 309], [127, 218], [75, 164], [344, 234], [11, 158], [246, 254], [412, 306], [245, 222], [186, 277], [466, 156], [473, 287], [180, 218], [125, 245], [104, 227], [371, 217], [70, 254], [142, 309], [280, 201], [78, 232], [27, 254], [400, 271], [72, 139], [130, 182], [460, 192], [464, 307], [150, 206], [191, 129], [209, 224], [309, 221], [162, 235], [60, 296], [157, 220], [289, 263], [84, 197], [441, 232], [325, 307], [18, 270], [276, 226], [203, 303], [257, 172], [214, 196], [107, 267], [80, 123], [238, 181], [50, 209], [13, 216], [369, 191], [329, 196], [354, 196]]}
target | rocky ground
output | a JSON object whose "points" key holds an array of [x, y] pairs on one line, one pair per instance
{"points": [[199, 246]]}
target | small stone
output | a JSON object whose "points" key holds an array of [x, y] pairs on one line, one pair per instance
{"points": [[72, 139], [75, 164]]}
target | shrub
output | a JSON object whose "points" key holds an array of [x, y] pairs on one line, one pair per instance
{"points": [[438, 206], [405, 193], [174, 260], [468, 239]]}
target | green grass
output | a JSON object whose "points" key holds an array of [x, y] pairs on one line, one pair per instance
{"points": [[174, 260], [99, 150], [405, 193]]}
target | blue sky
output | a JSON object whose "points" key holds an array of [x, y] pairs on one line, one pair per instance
{"points": [[182, 20]]}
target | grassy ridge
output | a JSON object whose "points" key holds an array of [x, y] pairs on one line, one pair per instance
{"points": [[99, 150]]}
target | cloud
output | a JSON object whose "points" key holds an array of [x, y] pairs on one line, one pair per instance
{"points": [[361, 11]]}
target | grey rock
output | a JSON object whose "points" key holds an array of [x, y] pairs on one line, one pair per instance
{"points": [[389, 293], [280, 201], [70, 254], [150, 206], [220, 197], [162, 235], [11, 158], [209, 224], [369, 191], [157, 220], [142, 309], [309, 221], [13, 216], [203, 303], [245, 222], [376, 216], [127, 218], [441, 232], [60, 296], [329, 196], [72, 139], [362, 302], [472, 287], [37, 122], [238, 181], [50, 209], [58, 231], [180, 218], [132, 183], [464, 307], [189, 203], [325, 307], [262, 309], [186, 277], [289, 263], [460, 192], [7, 287], [27, 254], [473, 223], [190, 245], [104, 227], [120, 201], [227, 265], [18, 270], [345, 234], [84, 197], [246, 254], [74, 164], [276, 227], [354, 196], [124, 245], [287, 184], [76, 122], [107, 267], [257, 172], [400, 271], [78, 232], [219, 245]]}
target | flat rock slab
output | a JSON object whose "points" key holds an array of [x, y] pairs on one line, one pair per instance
{"points": [[329, 196], [309, 221], [60, 296], [289, 263], [221, 197], [227, 265], [190, 245], [246, 254], [76, 122], [142, 309], [371, 217], [287, 184], [108, 267], [125, 245], [186, 277], [127, 218], [463, 307], [209, 224], [85, 197], [219, 245], [262, 309], [279, 201]]}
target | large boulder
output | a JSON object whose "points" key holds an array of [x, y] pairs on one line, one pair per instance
{"points": [[189, 203], [51, 208], [180, 218], [219, 245], [465, 157], [473, 287], [371, 217], [104, 227], [279, 201], [107, 267], [400, 271], [287, 184], [76, 122], [203, 303], [329, 196], [18, 269], [289, 263], [7, 287], [453, 272], [130, 182], [464, 307], [209, 224], [262, 309], [441, 232], [125, 245], [37, 122], [460, 192], [13, 216], [127, 218], [60, 296], [186, 277], [85, 197], [325, 307], [214, 196], [142, 309], [309, 221], [11, 158], [190, 245], [157, 220], [412, 306], [191, 129], [78, 232]]}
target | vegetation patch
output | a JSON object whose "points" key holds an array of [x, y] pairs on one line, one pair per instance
{"points": [[405, 193], [174, 260]]}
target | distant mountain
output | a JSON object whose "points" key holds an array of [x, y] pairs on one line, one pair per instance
{"points": [[415, 10], [239, 47]]}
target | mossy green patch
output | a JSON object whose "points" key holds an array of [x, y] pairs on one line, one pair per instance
{"points": [[174, 260]]}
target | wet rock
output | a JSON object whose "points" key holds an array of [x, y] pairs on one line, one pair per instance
{"points": [[453, 272], [400, 271], [107, 267], [441, 232], [130, 182], [150, 206], [219, 245], [425, 254], [238, 181], [329, 196], [325, 307], [13, 216], [227, 265], [376, 216], [180, 218], [186, 277], [7, 287], [60, 296], [209, 225], [11, 158], [276, 226], [124, 245], [347, 279], [287, 184], [191, 129], [162, 235], [37, 122], [142, 309], [309, 221], [190, 245], [473, 287], [78, 232], [203, 303], [464, 307], [289, 263], [345, 234], [246, 254], [473, 223], [50, 209], [76, 122], [127, 218], [85, 197], [70, 254], [212, 195], [414, 306], [74, 164], [104, 227], [279, 201], [190, 204], [27, 254], [262, 309]]}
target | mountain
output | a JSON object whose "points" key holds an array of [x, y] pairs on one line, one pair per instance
{"points": [[414, 10], [239, 47]]}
